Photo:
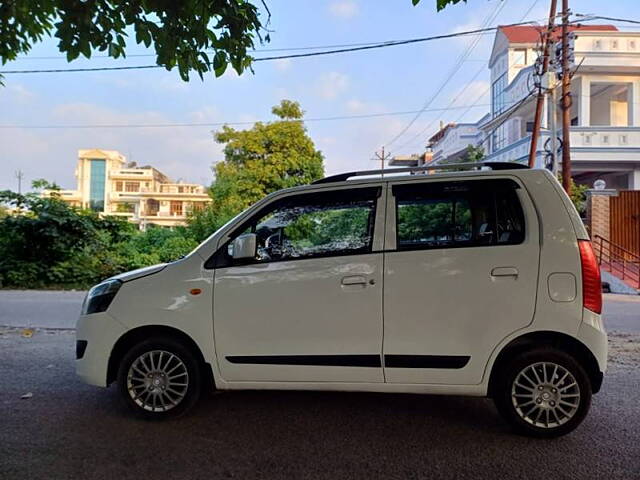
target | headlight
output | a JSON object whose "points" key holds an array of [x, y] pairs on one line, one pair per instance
{"points": [[100, 297]]}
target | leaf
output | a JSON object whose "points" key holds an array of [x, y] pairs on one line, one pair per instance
{"points": [[219, 63]]}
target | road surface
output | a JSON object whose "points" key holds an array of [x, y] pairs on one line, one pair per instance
{"points": [[71, 430], [52, 309], [67, 429]]}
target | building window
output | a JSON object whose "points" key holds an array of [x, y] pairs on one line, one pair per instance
{"points": [[131, 186], [499, 138], [118, 187], [97, 180], [520, 57], [175, 208], [498, 100], [610, 104]]}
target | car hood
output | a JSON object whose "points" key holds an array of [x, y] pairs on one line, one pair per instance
{"points": [[140, 272]]}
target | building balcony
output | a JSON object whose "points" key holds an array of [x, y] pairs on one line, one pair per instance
{"points": [[132, 173], [591, 148], [607, 51]]}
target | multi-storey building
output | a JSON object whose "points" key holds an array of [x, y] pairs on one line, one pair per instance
{"points": [[451, 143], [144, 195], [605, 111]]}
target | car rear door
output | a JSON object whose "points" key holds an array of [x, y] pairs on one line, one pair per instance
{"points": [[461, 272]]}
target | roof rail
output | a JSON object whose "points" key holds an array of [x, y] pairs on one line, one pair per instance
{"points": [[342, 177]]}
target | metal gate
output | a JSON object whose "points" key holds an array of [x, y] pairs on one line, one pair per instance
{"points": [[625, 220]]}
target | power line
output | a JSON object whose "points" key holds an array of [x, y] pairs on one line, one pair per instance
{"points": [[386, 44], [219, 124], [469, 83], [459, 62], [588, 18]]}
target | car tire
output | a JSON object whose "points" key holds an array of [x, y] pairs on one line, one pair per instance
{"points": [[159, 378], [543, 393]]}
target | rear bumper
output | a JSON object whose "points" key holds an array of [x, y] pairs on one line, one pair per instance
{"points": [[100, 331], [594, 336]]}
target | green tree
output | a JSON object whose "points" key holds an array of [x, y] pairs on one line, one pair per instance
{"points": [[440, 4], [578, 196], [258, 161], [183, 33], [475, 154]]}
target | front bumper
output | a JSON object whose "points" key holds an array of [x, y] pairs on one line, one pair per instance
{"points": [[101, 331]]}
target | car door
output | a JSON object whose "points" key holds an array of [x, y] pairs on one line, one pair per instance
{"points": [[308, 307], [461, 273]]}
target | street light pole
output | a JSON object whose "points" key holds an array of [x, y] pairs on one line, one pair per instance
{"points": [[566, 101], [546, 51]]}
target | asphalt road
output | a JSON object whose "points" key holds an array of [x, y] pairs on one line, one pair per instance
{"points": [[54, 309], [67, 429], [71, 430], [40, 308]]}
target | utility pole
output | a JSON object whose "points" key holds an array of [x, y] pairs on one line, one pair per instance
{"points": [[383, 158], [19, 175], [546, 48], [566, 101]]}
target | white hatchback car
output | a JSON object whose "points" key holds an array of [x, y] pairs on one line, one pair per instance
{"points": [[481, 282]]}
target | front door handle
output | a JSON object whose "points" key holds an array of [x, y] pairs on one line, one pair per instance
{"points": [[354, 280], [504, 272]]}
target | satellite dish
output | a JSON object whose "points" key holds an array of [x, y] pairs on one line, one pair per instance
{"points": [[599, 184]]}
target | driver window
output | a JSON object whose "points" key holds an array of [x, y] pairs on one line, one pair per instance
{"points": [[316, 225]]}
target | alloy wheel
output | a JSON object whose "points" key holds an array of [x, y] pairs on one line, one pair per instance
{"points": [[545, 395], [157, 380]]}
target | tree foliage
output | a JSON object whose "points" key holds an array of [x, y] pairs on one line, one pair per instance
{"points": [[48, 243], [440, 4], [183, 33], [258, 161]]}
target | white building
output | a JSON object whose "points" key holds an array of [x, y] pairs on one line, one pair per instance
{"points": [[451, 143], [144, 195], [605, 114]]}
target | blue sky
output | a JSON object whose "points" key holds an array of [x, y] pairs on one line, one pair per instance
{"points": [[393, 79]]}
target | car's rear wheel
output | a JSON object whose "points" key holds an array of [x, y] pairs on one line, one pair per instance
{"points": [[159, 378], [543, 393]]}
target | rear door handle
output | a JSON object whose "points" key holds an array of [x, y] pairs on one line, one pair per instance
{"points": [[354, 280], [504, 272]]}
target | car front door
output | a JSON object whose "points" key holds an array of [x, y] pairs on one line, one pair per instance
{"points": [[308, 307], [461, 273]]}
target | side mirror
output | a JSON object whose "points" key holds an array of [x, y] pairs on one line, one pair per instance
{"points": [[244, 246]]}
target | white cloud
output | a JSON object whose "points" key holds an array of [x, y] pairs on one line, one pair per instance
{"points": [[476, 92], [282, 64], [359, 107], [331, 85], [344, 9], [180, 152]]}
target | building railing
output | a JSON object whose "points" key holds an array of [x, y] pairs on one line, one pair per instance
{"points": [[605, 137], [135, 172], [617, 260]]}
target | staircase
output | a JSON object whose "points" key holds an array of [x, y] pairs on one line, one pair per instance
{"points": [[621, 263]]}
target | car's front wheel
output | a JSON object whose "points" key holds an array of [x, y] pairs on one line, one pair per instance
{"points": [[159, 378], [543, 393]]}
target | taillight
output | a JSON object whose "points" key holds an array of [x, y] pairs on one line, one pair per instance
{"points": [[591, 283]]}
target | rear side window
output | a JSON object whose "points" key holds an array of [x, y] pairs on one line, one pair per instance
{"points": [[458, 214]]}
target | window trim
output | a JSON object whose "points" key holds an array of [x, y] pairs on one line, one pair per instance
{"points": [[509, 185], [220, 258]]}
